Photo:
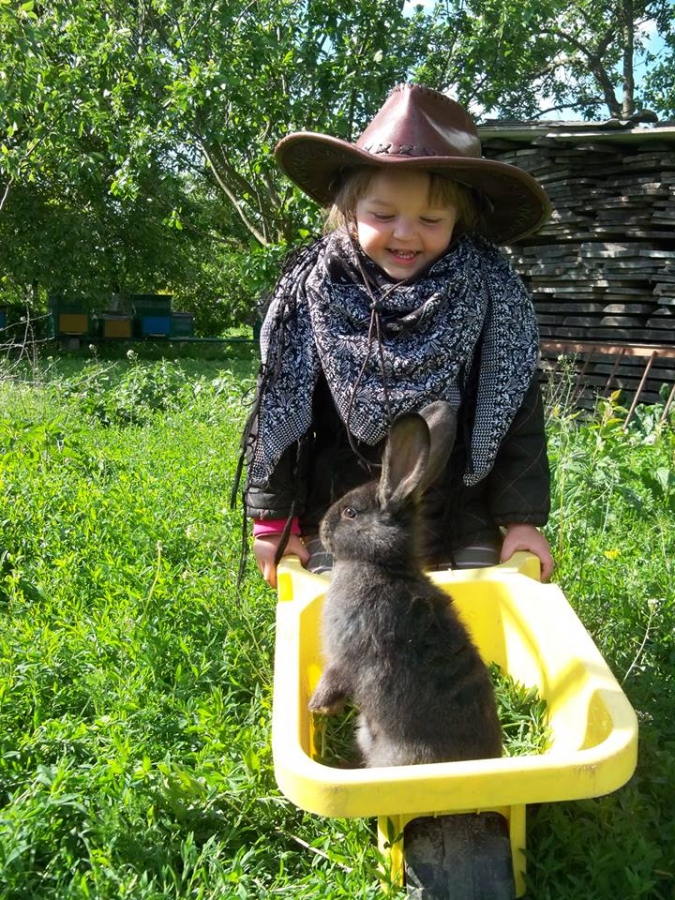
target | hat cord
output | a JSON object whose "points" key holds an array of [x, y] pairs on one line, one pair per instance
{"points": [[374, 332]]}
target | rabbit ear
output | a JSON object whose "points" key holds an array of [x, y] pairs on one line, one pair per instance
{"points": [[442, 421], [404, 461], [416, 452]]}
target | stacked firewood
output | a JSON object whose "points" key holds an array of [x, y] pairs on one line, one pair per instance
{"points": [[602, 270]]}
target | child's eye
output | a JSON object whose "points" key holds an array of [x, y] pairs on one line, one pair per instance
{"points": [[382, 217], [429, 221]]}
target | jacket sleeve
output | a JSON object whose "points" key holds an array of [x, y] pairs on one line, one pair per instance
{"points": [[278, 498], [519, 485]]}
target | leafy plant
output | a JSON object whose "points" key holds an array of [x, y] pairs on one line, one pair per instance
{"points": [[522, 713], [136, 679], [131, 397]]}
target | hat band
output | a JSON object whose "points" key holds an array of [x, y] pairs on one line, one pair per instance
{"points": [[411, 150]]}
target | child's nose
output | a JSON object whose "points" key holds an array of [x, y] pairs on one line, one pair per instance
{"points": [[404, 228]]}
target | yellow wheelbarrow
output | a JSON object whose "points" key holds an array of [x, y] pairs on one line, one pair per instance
{"points": [[532, 633]]}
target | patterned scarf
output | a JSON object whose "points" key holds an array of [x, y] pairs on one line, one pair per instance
{"points": [[387, 348]]}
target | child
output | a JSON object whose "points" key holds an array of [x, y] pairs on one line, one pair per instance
{"points": [[405, 300]]}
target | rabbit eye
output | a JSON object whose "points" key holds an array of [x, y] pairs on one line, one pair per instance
{"points": [[349, 512]]}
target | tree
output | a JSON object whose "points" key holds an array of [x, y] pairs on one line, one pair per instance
{"points": [[527, 58], [231, 78], [150, 125], [222, 80], [55, 120], [204, 87], [89, 205]]}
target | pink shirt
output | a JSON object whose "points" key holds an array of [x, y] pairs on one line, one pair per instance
{"points": [[274, 526]]}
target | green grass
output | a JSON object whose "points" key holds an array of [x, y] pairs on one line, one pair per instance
{"points": [[136, 680]]}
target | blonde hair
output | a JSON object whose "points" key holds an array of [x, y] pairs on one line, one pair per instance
{"points": [[443, 191]]}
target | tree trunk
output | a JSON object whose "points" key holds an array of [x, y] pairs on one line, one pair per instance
{"points": [[628, 25]]}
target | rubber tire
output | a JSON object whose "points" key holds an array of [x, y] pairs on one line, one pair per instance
{"points": [[461, 857]]}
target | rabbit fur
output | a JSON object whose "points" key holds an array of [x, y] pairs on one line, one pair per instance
{"points": [[393, 641]]}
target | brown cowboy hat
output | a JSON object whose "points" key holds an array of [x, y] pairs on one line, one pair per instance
{"points": [[418, 128]]}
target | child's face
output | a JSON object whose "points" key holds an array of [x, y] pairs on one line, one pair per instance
{"points": [[398, 226]]}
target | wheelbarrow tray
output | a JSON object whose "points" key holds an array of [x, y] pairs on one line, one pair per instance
{"points": [[528, 629]]}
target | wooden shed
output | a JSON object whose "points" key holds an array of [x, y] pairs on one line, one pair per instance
{"points": [[602, 271]]}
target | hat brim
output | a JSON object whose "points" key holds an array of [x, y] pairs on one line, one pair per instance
{"points": [[314, 162]]}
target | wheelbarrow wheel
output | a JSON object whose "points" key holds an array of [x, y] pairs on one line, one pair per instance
{"points": [[460, 857]]}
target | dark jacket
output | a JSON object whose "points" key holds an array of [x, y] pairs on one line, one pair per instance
{"points": [[323, 466]]}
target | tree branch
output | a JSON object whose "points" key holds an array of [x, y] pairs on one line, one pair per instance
{"points": [[5, 194], [231, 196], [628, 105], [594, 59]]}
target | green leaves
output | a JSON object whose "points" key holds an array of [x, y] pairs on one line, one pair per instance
{"points": [[135, 680], [136, 139]]}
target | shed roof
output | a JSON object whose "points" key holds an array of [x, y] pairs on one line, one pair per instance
{"points": [[537, 133]]}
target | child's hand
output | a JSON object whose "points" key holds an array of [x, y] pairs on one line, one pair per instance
{"points": [[265, 549], [528, 538]]}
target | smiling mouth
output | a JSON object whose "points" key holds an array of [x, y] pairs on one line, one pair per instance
{"points": [[404, 254]]}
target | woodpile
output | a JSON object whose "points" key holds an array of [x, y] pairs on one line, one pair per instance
{"points": [[602, 270]]}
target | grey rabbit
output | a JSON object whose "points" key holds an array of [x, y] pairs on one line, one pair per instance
{"points": [[393, 642]]}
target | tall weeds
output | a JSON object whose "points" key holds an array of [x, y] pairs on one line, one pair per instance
{"points": [[135, 679], [612, 530]]}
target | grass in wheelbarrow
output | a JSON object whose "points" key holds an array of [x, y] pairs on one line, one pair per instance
{"points": [[522, 713]]}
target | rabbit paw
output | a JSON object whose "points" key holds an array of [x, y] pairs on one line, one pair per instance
{"points": [[323, 709], [330, 695]]}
